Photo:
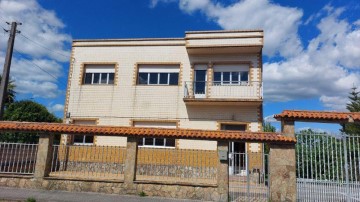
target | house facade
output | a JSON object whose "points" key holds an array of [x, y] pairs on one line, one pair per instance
{"points": [[209, 80]]}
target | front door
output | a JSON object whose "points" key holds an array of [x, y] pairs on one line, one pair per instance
{"points": [[237, 151], [200, 83]]}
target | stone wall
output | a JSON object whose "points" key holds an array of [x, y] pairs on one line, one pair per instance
{"points": [[177, 171], [207, 193], [113, 168]]}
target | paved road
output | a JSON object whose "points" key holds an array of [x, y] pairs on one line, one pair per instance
{"points": [[16, 194]]}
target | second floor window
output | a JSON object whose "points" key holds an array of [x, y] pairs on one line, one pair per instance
{"points": [[231, 74], [158, 75], [234, 78], [99, 74]]}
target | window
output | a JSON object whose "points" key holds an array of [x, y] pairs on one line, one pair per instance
{"points": [[158, 75], [84, 139], [233, 78], [231, 74], [99, 74], [155, 142]]}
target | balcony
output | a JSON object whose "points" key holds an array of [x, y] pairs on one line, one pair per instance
{"points": [[224, 42], [212, 92]]}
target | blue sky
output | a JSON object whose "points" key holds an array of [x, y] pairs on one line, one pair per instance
{"points": [[311, 52]]}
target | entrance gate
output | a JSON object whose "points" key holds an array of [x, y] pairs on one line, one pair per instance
{"points": [[249, 178], [328, 167]]}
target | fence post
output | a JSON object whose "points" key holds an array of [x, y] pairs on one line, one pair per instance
{"points": [[223, 172], [130, 164], [288, 128], [282, 167], [43, 158]]}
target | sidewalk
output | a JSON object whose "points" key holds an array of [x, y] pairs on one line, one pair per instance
{"points": [[17, 194]]}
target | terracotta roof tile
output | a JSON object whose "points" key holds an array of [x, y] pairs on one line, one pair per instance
{"points": [[320, 116], [144, 132]]}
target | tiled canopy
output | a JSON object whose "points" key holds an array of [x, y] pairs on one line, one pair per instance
{"points": [[319, 116], [144, 132]]}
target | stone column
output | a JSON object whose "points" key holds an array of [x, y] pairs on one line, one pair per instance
{"points": [[130, 164], [44, 154], [223, 173], [288, 128], [282, 167]]}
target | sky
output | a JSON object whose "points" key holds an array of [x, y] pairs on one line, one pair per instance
{"points": [[311, 54]]}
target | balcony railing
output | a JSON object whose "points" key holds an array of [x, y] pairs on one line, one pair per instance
{"points": [[217, 90]]}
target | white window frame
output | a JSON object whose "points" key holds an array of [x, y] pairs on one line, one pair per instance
{"points": [[239, 82], [155, 124], [83, 142], [101, 69], [156, 146], [165, 69], [158, 79]]}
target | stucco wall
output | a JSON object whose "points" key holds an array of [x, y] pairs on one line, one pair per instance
{"points": [[120, 103]]}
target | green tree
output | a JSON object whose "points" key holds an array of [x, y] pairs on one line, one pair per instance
{"points": [[268, 128], [10, 94], [30, 111], [352, 106]]}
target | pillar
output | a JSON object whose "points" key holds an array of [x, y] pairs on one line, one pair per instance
{"points": [[223, 172], [282, 167], [44, 154], [130, 165], [288, 128]]}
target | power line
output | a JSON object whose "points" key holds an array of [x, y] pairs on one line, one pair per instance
{"points": [[37, 43], [40, 45], [42, 69]]}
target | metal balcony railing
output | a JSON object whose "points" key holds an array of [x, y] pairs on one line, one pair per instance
{"points": [[222, 90]]}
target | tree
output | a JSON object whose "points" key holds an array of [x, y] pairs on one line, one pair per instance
{"points": [[26, 110], [268, 128], [10, 94], [353, 106]]}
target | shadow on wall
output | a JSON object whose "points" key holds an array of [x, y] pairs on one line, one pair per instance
{"points": [[222, 113]]}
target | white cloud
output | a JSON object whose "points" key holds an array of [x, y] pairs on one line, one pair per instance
{"points": [[46, 46], [327, 68], [270, 119], [337, 103], [280, 23], [56, 108]]}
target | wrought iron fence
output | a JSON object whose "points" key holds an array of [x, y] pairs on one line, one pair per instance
{"points": [[249, 177], [176, 165], [88, 162], [17, 158], [328, 167]]}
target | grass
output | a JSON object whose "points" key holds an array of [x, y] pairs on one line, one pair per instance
{"points": [[30, 200], [142, 194]]}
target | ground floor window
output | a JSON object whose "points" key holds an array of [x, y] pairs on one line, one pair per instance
{"points": [[83, 139], [157, 142]]}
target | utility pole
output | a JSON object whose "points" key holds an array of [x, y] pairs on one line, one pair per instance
{"points": [[7, 64]]}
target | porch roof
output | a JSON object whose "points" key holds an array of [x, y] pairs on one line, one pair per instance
{"points": [[143, 132], [318, 116]]}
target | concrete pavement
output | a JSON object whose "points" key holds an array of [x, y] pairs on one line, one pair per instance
{"points": [[17, 194]]}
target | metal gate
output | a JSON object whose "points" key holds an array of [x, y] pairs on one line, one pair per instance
{"points": [[328, 167], [248, 177]]}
